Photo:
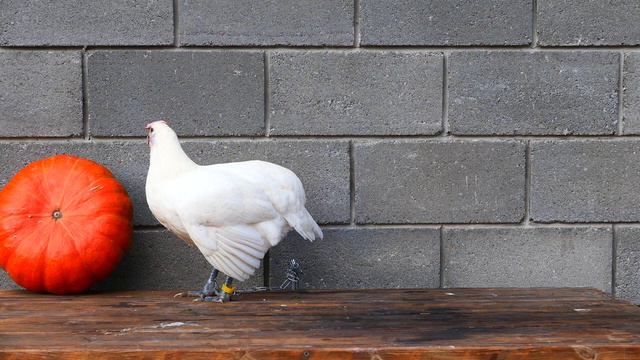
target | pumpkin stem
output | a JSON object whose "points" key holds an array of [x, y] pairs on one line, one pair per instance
{"points": [[57, 214]]}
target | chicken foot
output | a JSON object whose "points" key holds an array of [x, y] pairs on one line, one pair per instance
{"points": [[223, 295], [210, 288]]}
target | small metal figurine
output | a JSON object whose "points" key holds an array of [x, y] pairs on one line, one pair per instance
{"points": [[291, 282], [293, 276]]}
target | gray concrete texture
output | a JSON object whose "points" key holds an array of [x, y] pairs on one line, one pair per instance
{"points": [[362, 258], [401, 117], [588, 23], [446, 22], [40, 93], [242, 22], [627, 246], [355, 93], [201, 93], [631, 95], [517, 93], [404, 182], [585, 181], [86, 22], [527, 257]]}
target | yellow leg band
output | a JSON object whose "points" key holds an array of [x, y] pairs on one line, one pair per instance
{"points": [[228, 289]]}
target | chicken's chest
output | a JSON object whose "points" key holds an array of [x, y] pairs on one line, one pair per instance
{"points": [[163, 208]]}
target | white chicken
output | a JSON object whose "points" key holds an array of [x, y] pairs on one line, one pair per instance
{"points": [[233, 212]]}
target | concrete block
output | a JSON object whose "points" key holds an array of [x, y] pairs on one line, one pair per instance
{"points": [[40, 93], [627, 276], [362, 258], [6, 283], [86, 22], [322, 166], [588, 23], [356, 93], [585, 181], [159, 260], [199, 93], [268, 22], [631, 95], [439, 181], [527, 257], [446, 22], [521, 93]]}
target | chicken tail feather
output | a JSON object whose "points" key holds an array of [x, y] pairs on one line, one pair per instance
{"points": [[304, 224]]}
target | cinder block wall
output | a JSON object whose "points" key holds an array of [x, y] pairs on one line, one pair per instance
{"points": [[442, 143]]}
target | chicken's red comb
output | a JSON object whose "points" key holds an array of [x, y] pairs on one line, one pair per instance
{"points": [[149, 125]]}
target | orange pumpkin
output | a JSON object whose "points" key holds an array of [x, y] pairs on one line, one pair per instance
{"points": [[65, 222]]}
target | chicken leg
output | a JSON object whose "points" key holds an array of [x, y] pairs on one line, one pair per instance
{"points": [[210, 288], [224, 294]]}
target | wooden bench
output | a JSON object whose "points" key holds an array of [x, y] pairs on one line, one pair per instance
{"points": [[366, 324]]}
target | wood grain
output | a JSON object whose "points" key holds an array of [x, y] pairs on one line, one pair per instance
{"points": [[359, 324]]}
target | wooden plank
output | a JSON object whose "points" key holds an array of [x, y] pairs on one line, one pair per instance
{"points": [[356, 324]]}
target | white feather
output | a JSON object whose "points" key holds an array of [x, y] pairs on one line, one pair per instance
{"points": [[232, 212]]}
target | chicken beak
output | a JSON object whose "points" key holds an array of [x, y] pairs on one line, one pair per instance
{"points": [[148, 129]]}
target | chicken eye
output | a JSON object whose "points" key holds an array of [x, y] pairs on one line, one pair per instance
{"points": [[151, 130]]}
